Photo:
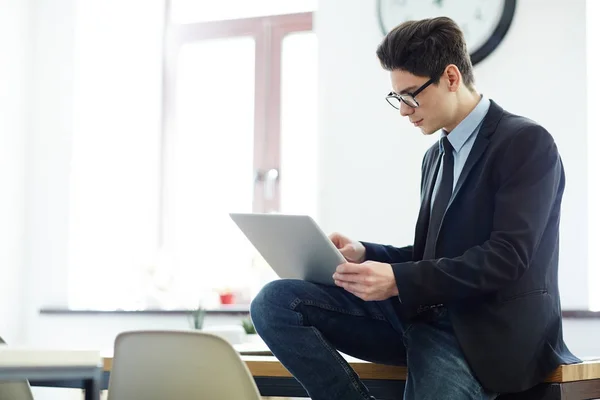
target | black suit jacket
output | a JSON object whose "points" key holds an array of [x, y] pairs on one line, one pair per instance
{"points": [[496, 254]]}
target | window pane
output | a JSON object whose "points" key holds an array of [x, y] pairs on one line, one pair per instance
{"points": [[299, 124], [593, 56], [186, 11], [210, 167]]}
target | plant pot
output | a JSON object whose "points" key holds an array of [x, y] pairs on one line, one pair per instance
{"points": [[226, 298]]}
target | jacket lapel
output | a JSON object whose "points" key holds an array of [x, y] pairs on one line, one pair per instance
{"points": [[488, 127], [477, 151], [429, 175]]}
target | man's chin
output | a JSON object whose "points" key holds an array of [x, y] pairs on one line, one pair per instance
{"points": [[426, 131]]}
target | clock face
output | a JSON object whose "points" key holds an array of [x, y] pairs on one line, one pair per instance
{"points": [[483, 22]]}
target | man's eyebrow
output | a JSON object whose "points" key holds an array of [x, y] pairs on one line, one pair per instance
{"points": [[409, 89]]}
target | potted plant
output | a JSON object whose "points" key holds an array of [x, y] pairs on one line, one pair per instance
{"points": [[197, 317]]}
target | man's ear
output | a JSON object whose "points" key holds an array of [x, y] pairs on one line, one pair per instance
{"points": [[453, 77]]}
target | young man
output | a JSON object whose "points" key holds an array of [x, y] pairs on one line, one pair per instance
{"points": [[473, 306]]}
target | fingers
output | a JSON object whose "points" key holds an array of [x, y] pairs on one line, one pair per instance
{"points": [[364, 292], [351, 268], [361, 291], [354, 278], [352, 274], [353, 287], [347, 250], [368, 281], [336, 240], [340, 241]]}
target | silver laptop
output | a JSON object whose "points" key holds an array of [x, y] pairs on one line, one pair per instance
{"points": [[293, 245]]}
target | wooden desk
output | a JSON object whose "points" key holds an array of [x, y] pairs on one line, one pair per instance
{"points": [[270, 366], [568, 382]]}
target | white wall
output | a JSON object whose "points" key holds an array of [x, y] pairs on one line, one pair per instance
{"points": [[48, 158], [593, 103], [15, 62], [582, 337], [370, 158]]}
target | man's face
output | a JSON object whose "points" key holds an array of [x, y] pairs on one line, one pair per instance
{"points": [[435, 104]]}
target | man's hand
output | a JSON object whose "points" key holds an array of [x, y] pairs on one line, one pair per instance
{"points": [[370, 280], [352, 250]]}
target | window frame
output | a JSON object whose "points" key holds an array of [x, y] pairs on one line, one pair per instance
{"points": [[268, 33]]}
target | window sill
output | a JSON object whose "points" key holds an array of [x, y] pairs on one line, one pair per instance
{"points": [[234, 309], [580, 314]]}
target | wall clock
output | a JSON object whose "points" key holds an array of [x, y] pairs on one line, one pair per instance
{"points": [[483, 22]]}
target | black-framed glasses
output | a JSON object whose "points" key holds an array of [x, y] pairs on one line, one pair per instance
{"points": [[396, 100]]}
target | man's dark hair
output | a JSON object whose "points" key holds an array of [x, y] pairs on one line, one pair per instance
{"points": [[426, 48]]}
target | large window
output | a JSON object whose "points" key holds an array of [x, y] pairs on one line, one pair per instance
{"points": [[234, 89], [593, 88], [176, 125]]}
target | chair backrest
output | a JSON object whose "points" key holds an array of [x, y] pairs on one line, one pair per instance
{"points": [[15, 390], [178, 365]]}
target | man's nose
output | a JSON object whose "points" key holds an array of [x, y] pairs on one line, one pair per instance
{"points": [[405, 109]]}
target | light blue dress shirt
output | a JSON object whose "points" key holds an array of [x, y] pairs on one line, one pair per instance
{"points": [[462, 138]]}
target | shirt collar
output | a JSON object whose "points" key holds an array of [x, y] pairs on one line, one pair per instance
{"points": [[467, 127]]}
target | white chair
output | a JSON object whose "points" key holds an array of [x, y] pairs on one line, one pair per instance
{"points": [[178, 365], [15, 390]]}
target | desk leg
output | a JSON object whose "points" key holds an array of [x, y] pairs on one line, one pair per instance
{"points": [[92, 389]]}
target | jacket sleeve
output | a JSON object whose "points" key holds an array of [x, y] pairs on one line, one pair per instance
{"points": [[387, 254], [530, 177]]}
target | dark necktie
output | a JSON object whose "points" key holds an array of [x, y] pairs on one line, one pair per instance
{"points": [[441, 200]]}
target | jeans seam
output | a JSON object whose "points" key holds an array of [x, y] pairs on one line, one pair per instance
{"points": [[406, 331], [293, 306], [328, 307], [347, 369]]}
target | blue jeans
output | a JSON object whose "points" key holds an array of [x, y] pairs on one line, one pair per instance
{"points": [[304, 324]]}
